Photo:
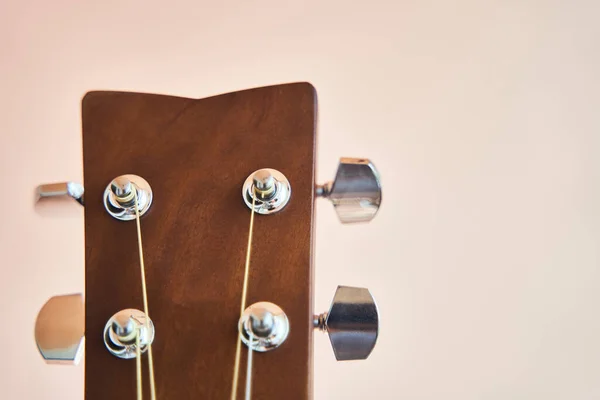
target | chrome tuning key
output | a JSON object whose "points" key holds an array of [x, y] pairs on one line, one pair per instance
{"points": [[352, 323], [355, 192], [59, 190], [59, 329]]}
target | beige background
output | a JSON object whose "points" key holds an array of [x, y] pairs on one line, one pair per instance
{"points": [[481, 116]]}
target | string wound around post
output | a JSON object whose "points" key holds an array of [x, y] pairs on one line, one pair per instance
{"points": [[271, 189], [121, 330], [119, 197]]}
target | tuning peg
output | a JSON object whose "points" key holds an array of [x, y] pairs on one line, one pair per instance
{"points": [[352, 323], [355, 192], [60, 190], [59, 329]]}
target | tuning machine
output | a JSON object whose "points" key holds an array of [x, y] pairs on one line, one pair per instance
{"points": [[352, 323], [355, 192], [352, 320], [118, 195], [60, 333], [59, 329], [60, 190], [121, 330]]}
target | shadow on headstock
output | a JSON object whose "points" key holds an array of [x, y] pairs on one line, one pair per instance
{"points": [[204, 169]]}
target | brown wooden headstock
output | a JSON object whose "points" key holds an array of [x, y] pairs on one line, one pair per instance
{"points": [[195, 155]]}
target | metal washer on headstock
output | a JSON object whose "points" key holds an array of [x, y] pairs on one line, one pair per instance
{"points": [[268, 189], [119, 197]]}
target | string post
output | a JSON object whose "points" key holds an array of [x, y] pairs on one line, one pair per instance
{"points": [[264, 184], [127, 196], [266, 191], [122, 189], [124, 328], [263, 326], [262, 322]]}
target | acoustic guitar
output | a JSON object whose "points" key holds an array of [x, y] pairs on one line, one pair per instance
{"points": [[199, 229]]}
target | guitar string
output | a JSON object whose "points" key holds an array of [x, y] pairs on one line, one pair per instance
{"points": [[145, 298], [249, 368], [138, 363], [238, 349]]}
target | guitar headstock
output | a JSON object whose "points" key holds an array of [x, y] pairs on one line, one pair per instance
{"points": [[222, 192]]}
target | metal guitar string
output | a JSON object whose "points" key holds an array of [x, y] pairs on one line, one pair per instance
{"points": [[249, 367], [238, 349], [145, 298], [138, 363]]}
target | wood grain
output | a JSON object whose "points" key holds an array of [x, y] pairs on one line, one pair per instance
{"points": [[196, 154]]}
